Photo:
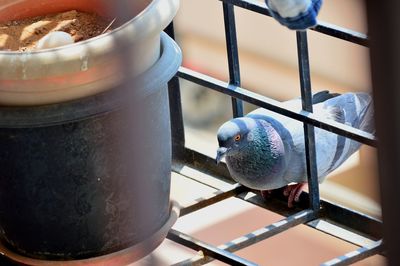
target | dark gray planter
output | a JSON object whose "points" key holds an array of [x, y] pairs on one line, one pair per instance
{"points": [[91, 176]]}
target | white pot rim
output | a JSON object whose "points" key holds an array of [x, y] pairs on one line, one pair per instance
{"points": [[145, 26], [137, 28], [88, 67]]}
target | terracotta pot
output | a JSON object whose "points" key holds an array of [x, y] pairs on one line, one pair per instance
{"points": [[88, 67], [85, 145]]}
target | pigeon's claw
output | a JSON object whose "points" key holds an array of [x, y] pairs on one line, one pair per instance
{"points": [[293, 193], [266, 194]]}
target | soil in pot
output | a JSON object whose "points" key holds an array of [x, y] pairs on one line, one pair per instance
{"points": [[23, 35]]}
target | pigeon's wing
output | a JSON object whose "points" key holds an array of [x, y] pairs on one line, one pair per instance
{"points": [[295, 105], [357, 107], [331, 149], [318, 97], [290, 130], [323, 96], [353, 109]]}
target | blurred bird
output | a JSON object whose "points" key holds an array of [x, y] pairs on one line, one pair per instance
{"points": [[295, 14], [265, 150]]}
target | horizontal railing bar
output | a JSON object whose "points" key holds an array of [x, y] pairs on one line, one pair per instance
{"points": [[276, 106], [342, 33], [239, 191], [356, 221], [207, 249], [280, 206], [260, 234], [351, 220], [339, 231], [357, 255], [269, 231], [217, 171], [217, 196], [322, 27]]}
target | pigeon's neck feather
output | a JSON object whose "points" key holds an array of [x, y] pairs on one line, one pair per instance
{"points": [[265, 150]]}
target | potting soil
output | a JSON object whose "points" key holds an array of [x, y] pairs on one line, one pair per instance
{"points": [[23, 35]]}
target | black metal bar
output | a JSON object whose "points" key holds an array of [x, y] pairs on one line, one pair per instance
{"points": [[352, 220], [383, 25], [170, 30], [261, 234], [304, 71], [218, 196], [342, 33], [177, 126], [322, 27], [269, 231], [349, 219], [265, 102], [176, 114], [207, 249], [204, 164], [357, 255], [309, 136], [233, 55]]}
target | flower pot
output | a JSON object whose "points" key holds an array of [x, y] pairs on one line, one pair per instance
{"points": [[88, 67], [85, 152]]}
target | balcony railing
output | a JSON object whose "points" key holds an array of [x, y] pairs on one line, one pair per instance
{"points": [[311, 208]]}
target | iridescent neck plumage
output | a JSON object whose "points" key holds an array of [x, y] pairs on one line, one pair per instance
{"points": [[264, 149]]}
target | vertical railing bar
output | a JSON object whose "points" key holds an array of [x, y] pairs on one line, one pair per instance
{"points": [[176, 114], [170, 30], [306, 97], [233, 55]]}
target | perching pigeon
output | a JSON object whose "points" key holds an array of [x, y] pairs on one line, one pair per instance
{"points": [[265, 150]]}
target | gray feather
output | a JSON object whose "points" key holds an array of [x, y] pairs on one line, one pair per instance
{"points": [[322, 96]]}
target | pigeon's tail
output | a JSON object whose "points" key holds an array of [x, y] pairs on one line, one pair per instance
{"points": [[366, 116], [353, 109], [322, 96]]}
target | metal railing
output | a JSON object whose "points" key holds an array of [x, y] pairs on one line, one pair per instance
{"points": [[311, 209]]}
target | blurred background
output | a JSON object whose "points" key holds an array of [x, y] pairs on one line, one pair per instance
{"points": [[268, 63]]}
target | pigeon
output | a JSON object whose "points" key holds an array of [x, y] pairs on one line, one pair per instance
{"points": [[265, 150]]}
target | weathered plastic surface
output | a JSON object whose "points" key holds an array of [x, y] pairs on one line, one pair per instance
{"points": [[91, 176], [88, 67]]}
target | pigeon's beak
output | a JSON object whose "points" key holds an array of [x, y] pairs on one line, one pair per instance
{"points": [[220, 154]]}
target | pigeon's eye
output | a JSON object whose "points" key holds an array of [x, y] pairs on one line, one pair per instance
{"points": [[237, 137]]}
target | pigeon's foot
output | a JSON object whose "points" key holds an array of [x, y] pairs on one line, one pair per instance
{"points": [[266, 194], [293, 193]]}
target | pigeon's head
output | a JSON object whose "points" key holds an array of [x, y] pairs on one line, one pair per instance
{"points": [[233, 136]]}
